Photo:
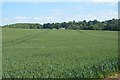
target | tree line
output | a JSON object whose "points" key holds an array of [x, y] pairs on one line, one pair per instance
{"points": [[80, 25]]}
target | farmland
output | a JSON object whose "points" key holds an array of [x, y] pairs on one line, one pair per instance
{"points": [[0, 53], [45, 53]]}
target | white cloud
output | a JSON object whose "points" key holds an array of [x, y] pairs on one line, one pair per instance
{"points": [[43, 18], [58, 13], [20, 17], [37, 18], [59, 16], [101, 15]]}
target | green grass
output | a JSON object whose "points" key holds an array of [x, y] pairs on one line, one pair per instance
{"points": [[31, 53], [0, 53]]}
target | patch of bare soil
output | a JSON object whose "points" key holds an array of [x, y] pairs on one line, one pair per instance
{"points": [[113, 77]]}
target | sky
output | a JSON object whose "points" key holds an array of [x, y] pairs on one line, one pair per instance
{"points": [[55, 11]]}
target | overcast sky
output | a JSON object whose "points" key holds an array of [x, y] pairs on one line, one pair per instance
{"points": [[36, 11]]}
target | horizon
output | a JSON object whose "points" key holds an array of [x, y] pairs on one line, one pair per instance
{"points": [[53, 22], [52, 12]]}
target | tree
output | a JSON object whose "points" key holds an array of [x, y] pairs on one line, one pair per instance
{"points": [[81, 25]]}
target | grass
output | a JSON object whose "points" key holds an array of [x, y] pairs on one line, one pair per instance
{"points": [[46, 53], [0, 53]]}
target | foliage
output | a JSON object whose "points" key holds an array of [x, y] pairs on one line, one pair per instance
{"points": [[80, 25], [24, 25]]}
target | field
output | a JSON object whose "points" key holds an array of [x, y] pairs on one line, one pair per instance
{"points": [[0, 53], [29, 53]]}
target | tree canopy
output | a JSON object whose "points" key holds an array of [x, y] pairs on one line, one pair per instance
{"points": [[80, 25]]}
